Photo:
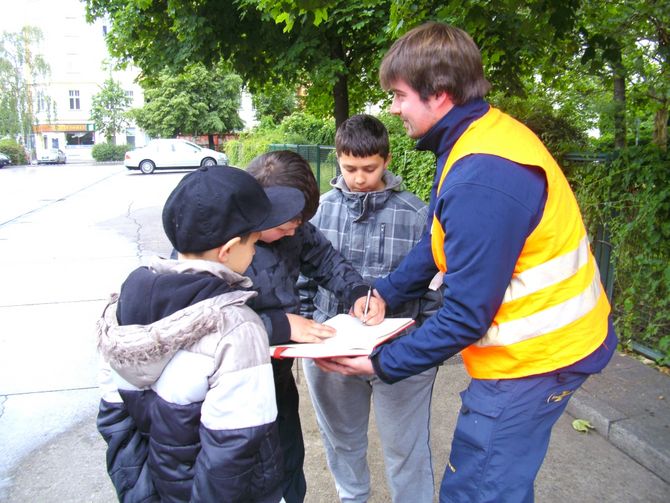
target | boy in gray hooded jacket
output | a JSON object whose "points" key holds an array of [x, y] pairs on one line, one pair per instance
{"points": [[373, 223]]}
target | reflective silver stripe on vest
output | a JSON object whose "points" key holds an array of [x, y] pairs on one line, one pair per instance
{"points": [[545, 321], [549, 273]]}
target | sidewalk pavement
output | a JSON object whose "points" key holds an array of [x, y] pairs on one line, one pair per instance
{"points": [[629, 405], [628, 459]]}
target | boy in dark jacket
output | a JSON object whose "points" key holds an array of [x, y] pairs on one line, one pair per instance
{"points": [[188, 410], [282, 254]]}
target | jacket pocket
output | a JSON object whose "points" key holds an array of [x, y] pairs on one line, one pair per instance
{"points": [[382, 238], [477, 419]]}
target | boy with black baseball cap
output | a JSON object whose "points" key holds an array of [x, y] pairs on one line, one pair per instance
{"points": [[188, 409]]}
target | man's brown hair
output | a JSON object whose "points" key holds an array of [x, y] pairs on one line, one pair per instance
{"points": [[436, 57]]}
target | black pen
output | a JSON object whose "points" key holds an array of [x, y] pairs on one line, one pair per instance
{"points": [[367, 306]]}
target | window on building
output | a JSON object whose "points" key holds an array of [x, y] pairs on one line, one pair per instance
{"points": [[72, 139], [129, 94], [41, 105], [74, 100], [104, 29], [130, 137]]}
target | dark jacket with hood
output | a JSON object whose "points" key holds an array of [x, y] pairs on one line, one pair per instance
{"points": [[274, 272], [188, 409]]}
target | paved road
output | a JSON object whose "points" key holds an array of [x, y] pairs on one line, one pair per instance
{"points": [[68, 236]]}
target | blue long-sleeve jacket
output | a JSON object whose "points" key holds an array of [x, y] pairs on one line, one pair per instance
{"points": [[490, 206]]}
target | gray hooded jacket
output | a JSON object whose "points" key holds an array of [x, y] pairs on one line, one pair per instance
{"points": [[373, 231]]}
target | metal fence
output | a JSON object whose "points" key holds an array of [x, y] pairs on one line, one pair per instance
{"points": [[321, 158], [602, 245]]}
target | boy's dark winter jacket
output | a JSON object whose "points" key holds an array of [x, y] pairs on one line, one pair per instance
{"points": [[188, 409]]}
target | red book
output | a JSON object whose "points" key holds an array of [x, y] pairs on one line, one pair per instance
{"points": [[353, 338]]}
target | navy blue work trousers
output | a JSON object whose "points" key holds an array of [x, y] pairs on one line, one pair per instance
{"points": [[502, 435]]}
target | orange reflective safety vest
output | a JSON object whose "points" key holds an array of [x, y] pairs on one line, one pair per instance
{"points": [[555, 310]]}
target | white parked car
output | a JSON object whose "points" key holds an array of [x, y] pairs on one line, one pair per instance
{"points": [[52, 156], [171, 154]]}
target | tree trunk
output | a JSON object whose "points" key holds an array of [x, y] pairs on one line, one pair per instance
{"points": [[341, 98], [341, 87], [619, 77], [661, 128]]}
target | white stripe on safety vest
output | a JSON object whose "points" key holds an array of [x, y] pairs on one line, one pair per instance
{"points": [[549, 273], [545, 321]]}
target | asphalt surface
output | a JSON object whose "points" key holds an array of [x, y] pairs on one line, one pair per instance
{"points": [[76, 249]]}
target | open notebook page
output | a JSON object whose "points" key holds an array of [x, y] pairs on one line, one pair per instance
{"points": [[353, 338]]}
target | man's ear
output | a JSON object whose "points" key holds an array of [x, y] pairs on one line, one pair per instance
{"points": [[387, 161], [443, 99], [224, 250]]}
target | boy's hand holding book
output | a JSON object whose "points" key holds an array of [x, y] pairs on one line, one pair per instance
{"points": [[306, 330]]}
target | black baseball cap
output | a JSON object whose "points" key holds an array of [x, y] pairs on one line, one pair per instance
{"points": [[214, 204]]}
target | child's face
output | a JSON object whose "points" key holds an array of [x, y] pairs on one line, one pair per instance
{"points": [[241, 254], [287, 229], [363, 174]]}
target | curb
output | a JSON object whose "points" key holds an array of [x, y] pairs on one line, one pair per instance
{"points": [[642, 435]]}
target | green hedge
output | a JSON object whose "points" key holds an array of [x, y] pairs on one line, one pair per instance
{"points": [[631, 196], [299, 128], [103, 152], [14, 150]]}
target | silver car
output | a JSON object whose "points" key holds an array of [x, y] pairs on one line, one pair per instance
{"points": [[171, 154], [52, 156]]}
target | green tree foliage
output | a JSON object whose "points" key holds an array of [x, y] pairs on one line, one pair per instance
{"points": [[517, 39], [275, 102], [195, 101], [108, 109], [611, 57], [334, 56], [626, 44], [305, 128], [21, 74]]}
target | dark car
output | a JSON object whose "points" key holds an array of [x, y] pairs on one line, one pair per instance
{"points": [[4, 160]]}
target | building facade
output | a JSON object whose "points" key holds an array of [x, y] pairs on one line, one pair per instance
{"points": [[79, 65]]}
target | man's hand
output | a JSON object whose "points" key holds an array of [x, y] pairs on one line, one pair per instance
{"points": [[349, 366], [376, 309], [304, 330]]}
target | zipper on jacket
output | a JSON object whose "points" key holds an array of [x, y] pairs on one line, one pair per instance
{"points": [[382, 235]]}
